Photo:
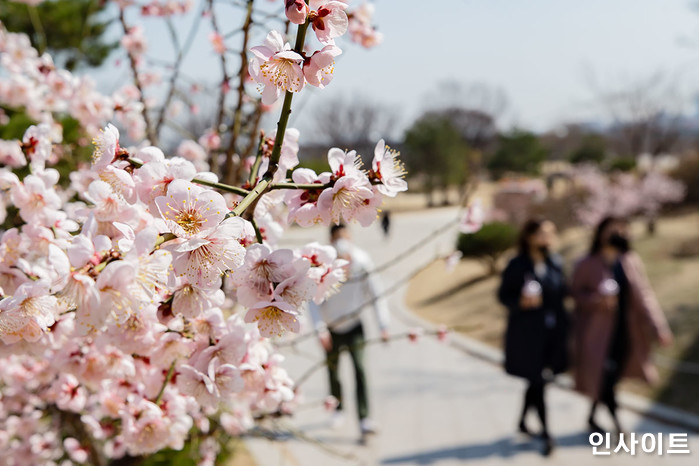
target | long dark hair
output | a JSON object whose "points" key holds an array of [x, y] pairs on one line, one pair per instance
{"points": [[530, 227], [602, 226]]}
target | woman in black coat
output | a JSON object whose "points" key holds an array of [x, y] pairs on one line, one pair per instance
{"points": [[533, 289]]}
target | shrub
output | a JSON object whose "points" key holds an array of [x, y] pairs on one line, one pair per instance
{"points": [[488, 243], [622, 164], [688, 173]]}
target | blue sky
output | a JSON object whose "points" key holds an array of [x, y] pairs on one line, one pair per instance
{"points": [[538, 51]]}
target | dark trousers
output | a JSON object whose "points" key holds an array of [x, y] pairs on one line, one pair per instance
{"points": [[353, 341], [614, 367], [534, 398]]}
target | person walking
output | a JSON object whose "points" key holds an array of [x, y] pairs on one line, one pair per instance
{"points": [[617, 318], [533, 289], [386, 223], [339, 326]]}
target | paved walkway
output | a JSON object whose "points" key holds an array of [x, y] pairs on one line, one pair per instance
{"points": [[435, 403]]}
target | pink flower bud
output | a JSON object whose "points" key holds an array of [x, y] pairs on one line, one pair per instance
{"points": [[442, 333], [217, 43], [415, 334], [296, 11]]}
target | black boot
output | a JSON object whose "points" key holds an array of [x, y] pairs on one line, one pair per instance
{"points": [[548, 444]]}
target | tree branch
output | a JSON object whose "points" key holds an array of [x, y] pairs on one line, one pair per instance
{"points": [[222, 91], [181, 52], [237, 114], [137, 82]]}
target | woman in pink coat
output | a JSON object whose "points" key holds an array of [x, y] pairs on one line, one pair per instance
{"points": [[617, 318]]}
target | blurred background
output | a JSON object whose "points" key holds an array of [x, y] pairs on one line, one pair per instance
{"points": [[570, 110]]}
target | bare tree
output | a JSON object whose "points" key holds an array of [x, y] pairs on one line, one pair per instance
{"points": [[473, 110], [480, 98], [646, 114], [353, 122]]}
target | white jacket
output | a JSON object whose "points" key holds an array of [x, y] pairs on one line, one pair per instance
{"points": [[341, 312]]}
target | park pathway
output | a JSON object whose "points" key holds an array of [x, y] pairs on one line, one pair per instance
{"points": [[435, 403]]}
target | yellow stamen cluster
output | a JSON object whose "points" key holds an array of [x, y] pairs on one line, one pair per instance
{"points": [[280, 73]]}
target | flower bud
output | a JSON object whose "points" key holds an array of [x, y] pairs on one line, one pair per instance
{"points": [[296, 11]]}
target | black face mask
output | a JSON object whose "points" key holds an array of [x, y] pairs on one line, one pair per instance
{"points": [[619, 242], [544, 250]]}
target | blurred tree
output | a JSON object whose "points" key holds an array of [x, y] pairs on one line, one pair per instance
{"points": [[73, 31], [519, 151], [479, 133], [646, 114], [435, 150], [592, 149], [622, 164], [687, 172], [477, 128], [355, 122]]}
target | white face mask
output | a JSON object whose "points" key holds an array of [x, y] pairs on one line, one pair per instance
{"points": [[342, 246]]}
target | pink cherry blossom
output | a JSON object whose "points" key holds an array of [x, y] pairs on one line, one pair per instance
{"points": [[204, 258], [328, 19], [326, 269], [134, 41], [217, 43], [38, 145], [303, 204], [28, 313], [472, 218], [388, 170], [68, 394], [11, 154], [77, 452], [191, 211], [320, 67], [297, 289], [415, 334], [146, 428], [273, 318], [348, 197], [276, 67], [442, 333], [296, 11], [345, 163], [190, 300], [106, 147], [36, 200], [361, 29], [153, 178], [108, 318]]}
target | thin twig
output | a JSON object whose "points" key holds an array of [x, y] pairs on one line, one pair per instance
{"points": [[258, 233], [38, 28], [211, 184], [258, 160], [139, 85], [237, 113], [220, 113], [168, 376], [181, 53], [266, 180]]}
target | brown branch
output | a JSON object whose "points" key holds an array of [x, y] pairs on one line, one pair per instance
{"points": [[220, 113], [237, 114], [137, 82], [245, 153], [181, 52]]}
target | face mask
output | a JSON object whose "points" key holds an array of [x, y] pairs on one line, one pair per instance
{"points": [[619, 242], [544, 250], [342, 246]]}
